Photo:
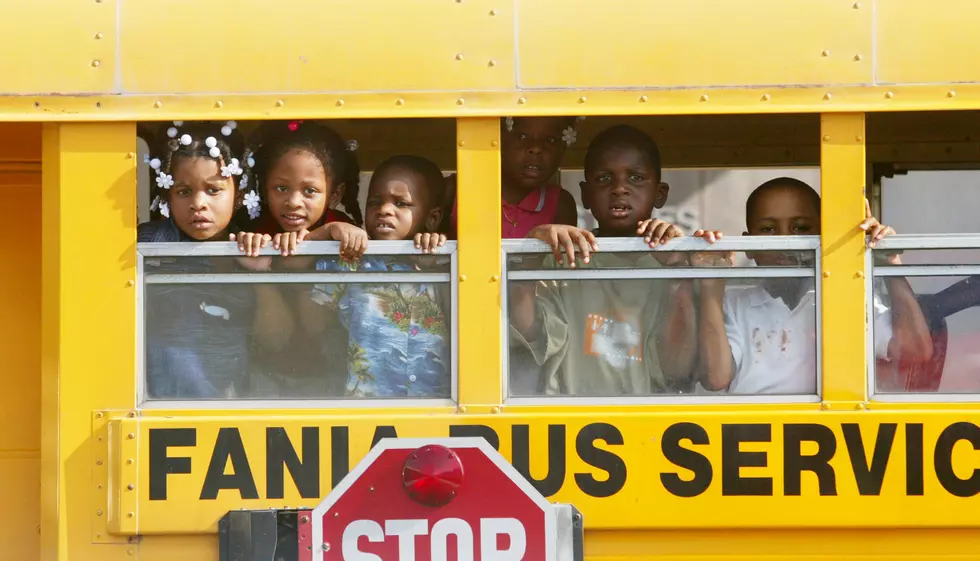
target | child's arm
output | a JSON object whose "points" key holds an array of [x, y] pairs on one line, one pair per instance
{"points": [[910, 337], [677, 336], [273, 324], [716, 362]]}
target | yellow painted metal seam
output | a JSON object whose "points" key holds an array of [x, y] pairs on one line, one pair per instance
{"points": [[843, 326], [481, 103], [479, 281]]}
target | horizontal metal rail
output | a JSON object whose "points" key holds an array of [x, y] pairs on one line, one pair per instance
{"points": [[926, 270], [663, 273], [932, 241], [230, 249], [298, 278], [733, 243]]}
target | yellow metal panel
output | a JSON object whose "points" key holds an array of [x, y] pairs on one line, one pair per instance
{"points": [[483, 103], [88, 335], [842, 246], [478, 196], [695, 43], [326, 46], [920, 42], [621, 468], [57, 47]]}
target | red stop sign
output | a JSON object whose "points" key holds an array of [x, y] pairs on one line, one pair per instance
{"points": [[493, 515]]}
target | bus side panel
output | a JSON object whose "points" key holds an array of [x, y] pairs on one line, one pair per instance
{"points": [[20, 343]]}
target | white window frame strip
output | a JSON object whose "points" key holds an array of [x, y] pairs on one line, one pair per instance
{"points": [[901, 242], [325, 249], [510, 247]]}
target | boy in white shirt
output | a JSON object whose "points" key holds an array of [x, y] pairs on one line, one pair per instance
{"points": [[761, 339]]}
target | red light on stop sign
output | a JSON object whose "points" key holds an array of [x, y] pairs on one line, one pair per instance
{"points": [[432, 475]]}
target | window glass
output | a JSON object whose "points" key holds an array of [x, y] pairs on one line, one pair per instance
{"points": [[636, 324], [382, 328]]}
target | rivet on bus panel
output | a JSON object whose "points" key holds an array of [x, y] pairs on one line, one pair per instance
{"points": [[462, 278], [827, 96], [326, 546], [643, 99], [131, 435], [280, 103], [860, 406], [824, 406], [218, 104], [766, 97], [492, 63], [495, 409], [859, 138], [340, 103], [494, 278], [95, 64], [98, 462], [130, 283], [157, 105], [130, 551], [399, 101], [521, 100], [494, 143], [582, 99], [130, 514], [99, 486], [98, 36], [826, 138], [130, 486], [129, 462], [950, 94], [131, 414], [459, 56], [460, 101], [826, 274], [493, 12], [825, 53], [98, 415], [461, 144], [857, 5], [704, 98], [461, 409], [857, 58], [98, 512]]}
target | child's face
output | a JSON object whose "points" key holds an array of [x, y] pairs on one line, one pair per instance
{"points": [[783, 211], [299, 190], [622, 189], [531, 152], [399, 206], [202, 201]]}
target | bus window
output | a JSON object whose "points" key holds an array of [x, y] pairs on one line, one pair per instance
{"points": [[298, 274], [926, 171]]}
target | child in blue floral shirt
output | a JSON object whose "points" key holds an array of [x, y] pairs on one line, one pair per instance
{"points": [[398, 334]]}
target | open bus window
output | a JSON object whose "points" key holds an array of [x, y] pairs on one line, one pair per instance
{"points": [[926, 167], [355, 311], [626, 325]]}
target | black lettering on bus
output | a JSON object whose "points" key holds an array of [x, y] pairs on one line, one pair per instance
{"points": [[733, 459], [162, 464], [521, 457], [280, 453], [479, 431], [944, 459], [869, 478], [383, 431], [687, 459], [795, 463], [599, 458], [914, 458], [339, 454], [229, 446]]}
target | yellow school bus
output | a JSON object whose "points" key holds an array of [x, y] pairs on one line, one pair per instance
{"points": [[862, 95]]}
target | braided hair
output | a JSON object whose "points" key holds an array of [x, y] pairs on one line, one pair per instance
{"points": [[184, 142], [274, 139]]}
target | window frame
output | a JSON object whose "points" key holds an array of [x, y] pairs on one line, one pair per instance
{"points": [[913, 242], [636, 245], [312, 249]]}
